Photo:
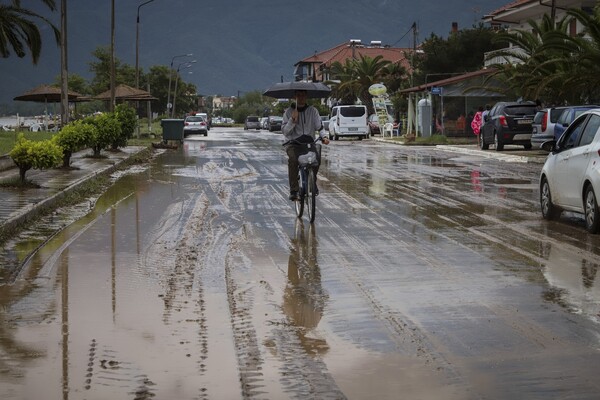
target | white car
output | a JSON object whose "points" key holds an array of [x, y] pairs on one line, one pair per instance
{"points": [[195, 125], [570, 178]]}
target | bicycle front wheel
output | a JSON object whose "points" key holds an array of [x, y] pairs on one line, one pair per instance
{"points": [[311, 195], [299, 203]]}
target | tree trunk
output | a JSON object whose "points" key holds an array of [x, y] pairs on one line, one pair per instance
{"points": [[66, 158], [22, 171]]}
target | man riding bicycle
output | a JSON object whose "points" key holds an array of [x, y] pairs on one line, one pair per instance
{"points": [[300, 122]]}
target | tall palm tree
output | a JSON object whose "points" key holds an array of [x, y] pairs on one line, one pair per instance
{"points": [[18, 30]]}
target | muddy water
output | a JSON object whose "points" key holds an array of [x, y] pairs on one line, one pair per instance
{"points": [[427, 275]]}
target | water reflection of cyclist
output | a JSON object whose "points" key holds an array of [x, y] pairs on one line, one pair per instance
{"points": [[300, 122], [304, 297]]}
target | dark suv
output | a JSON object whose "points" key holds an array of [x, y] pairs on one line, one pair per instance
{"points": [[508, 123]]}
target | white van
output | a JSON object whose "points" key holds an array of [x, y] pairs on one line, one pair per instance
{"points": [[205, 116], [348, 121]]}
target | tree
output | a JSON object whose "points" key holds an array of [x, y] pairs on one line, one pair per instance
{"points": [[462, 51], [18, 30], [535, 61], [77, 83], [128, 120], [356, 76], [73, 137], [125, 74], [28, 154], [107, 131]]}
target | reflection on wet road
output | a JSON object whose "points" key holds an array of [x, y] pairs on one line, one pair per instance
{"points": [[426, 273]]}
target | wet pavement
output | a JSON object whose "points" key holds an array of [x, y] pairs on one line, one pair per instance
{"points": [[428, 274]]}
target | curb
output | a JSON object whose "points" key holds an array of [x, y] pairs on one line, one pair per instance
{"points": [[32, 211]]}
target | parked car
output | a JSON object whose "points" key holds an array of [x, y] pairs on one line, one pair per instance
{"points": [[348, 120], [325, 122], [508, 123], [194, 124], [570, 178], [568, 116], [373, 123], [264, 123], [542, 128], [251, 122], [275, 123]]}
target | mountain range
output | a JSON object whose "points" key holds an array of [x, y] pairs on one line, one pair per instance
{"points": [[238, 45]]}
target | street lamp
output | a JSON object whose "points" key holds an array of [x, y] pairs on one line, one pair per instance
{"points": [[137, 45], [185, 65], [169, 106]]}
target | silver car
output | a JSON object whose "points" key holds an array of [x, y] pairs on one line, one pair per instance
{"points": [[195, 125], [542, 128]]}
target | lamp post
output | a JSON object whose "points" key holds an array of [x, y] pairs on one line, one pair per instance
{"points": [[169, 105], [185, 65], [137, 45]]}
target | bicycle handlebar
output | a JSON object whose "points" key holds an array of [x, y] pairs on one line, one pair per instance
{"points": [[295, 141]]}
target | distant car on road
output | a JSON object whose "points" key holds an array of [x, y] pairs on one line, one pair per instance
{"points": [[508, 123], [373, 123], [195, 125], [252, 122], [275, 123], [264, 123]]}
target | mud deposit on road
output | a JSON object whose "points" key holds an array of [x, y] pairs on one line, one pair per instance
{"points": [[427, 275]]}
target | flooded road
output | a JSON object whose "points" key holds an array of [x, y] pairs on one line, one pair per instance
{"points": [[426, 275]]}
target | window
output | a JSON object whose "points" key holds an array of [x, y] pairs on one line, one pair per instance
{"points": [[571, 136], [590, 131], [352, 111]]}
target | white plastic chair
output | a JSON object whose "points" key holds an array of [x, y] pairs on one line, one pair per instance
{"points": [[388, 128]]}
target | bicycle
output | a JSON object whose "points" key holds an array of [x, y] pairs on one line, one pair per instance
{"points": [[307, 182]]}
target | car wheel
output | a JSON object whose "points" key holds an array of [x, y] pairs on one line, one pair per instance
{"points": [[592, 214], [335, 137], [499, 146], [527, 146], [360, 137], [482, 144], [549, 210]]}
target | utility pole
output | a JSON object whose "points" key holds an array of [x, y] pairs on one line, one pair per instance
{"points": [[64, 70], [112, 57]]}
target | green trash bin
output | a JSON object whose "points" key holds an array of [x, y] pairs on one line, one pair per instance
{"points": [[172, 129]]}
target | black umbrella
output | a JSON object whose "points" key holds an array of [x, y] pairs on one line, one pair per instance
{"points": [[287, 90]]}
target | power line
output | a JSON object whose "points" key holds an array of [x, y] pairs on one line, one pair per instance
{"points": [[403, 36]]}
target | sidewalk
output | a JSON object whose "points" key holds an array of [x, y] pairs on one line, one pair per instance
{"points": [[509, 154], [19, 205]]}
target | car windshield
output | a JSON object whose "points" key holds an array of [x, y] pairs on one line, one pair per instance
{"points": [[555, 114], [538, 117], [252, 119]]}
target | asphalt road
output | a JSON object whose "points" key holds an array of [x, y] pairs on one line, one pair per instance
{"points": [[427, 274]]}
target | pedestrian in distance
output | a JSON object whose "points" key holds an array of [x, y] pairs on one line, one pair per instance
{"points": [[485, 113], [300, 122], [477, 121]]}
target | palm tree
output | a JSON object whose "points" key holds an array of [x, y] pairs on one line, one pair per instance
{"points": [[537, 52], [19, 32], [356, 76]]}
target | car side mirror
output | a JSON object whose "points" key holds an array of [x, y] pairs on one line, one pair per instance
{"points": [[549, 146]]}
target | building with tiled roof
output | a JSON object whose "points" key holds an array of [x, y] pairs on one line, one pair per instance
{"points": [[516, 14], [316, 67]]}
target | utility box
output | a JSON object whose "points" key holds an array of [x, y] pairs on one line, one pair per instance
{"points": [[172, 129], [424, 117]]}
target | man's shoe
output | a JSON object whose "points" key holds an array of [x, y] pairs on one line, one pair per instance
{"points": [[293, 196]]}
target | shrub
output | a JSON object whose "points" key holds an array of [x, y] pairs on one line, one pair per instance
{"points": [[107, 131], [128, 119], [28, 154], [73, 137]]}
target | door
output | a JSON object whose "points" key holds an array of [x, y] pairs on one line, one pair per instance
{"points": [[568, 184]]}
